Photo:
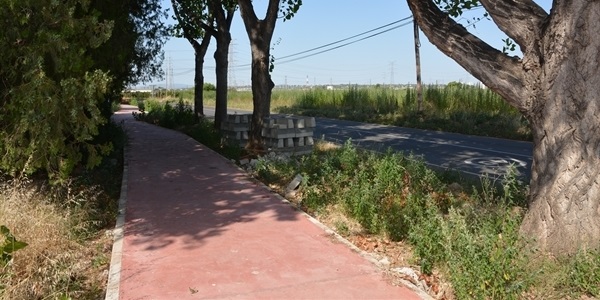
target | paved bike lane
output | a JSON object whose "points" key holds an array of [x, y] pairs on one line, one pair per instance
{"points": [[197, 227]]}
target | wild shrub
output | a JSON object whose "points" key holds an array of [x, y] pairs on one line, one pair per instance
{"points": [[425, 232], [375, 189], [485, 259], [168, 115], [477, 242], [355, 99]]}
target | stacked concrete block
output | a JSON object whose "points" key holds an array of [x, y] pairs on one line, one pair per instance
{"points": [[235, 128], [290, 134]]}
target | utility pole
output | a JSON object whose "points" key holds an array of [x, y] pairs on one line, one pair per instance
{"points": [[419, 88]]}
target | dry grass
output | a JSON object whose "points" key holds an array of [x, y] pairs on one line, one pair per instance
{"points": [[61, 260]]}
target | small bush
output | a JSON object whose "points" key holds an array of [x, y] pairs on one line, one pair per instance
{"points": [[168, 115]]}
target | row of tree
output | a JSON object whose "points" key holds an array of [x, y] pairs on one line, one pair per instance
{"points": [[555, 84], [199, 20], [62, 64]]}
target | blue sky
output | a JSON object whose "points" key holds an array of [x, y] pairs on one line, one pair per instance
{"points": [[383, 59]]}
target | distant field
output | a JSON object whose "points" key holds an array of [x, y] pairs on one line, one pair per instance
{"points": [[454, 107]]}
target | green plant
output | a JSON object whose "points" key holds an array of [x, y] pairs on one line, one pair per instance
{"points": [[476, 242], [342, 228], [9, 246], [209, 87], [584, 272], [484, 256], [425, 232]]}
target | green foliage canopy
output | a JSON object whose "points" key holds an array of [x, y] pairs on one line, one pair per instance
{"points": [[61, 62], [133, 52], [49, 94]]}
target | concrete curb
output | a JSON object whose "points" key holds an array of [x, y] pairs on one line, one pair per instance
{"points": [[114, 273]]}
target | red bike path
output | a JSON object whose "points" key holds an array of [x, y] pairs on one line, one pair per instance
{"points": [[192, 225]]}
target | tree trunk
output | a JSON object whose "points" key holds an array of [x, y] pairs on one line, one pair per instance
{"points": [[556, 85], [222, 65], [199, 51], [259, 33], [564, 212], [199, 86], [262, 86]]}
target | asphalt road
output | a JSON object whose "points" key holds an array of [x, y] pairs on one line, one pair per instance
{"points": [[472, 155]]}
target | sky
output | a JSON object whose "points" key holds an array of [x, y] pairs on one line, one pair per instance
{"points": [[387, 58]]}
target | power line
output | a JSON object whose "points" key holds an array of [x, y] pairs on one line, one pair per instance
{"points": [[343, 45], [330, 44], [334, 43], [348, 38]]}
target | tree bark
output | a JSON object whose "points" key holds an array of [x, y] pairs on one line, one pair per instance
{"points": [[199, 51], [222, 65], [564, 212], [262, 86], [556, 85], [191, 27], [259, 33], [223, 17]]}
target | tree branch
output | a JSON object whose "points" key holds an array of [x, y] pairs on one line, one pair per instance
{"points": [[271, 16], [496, 70], [207, 28], [217, 11], [248, 14], [519, 19], [229, 19]]}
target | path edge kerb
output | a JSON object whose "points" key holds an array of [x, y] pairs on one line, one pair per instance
{"points": [[114, 272]]}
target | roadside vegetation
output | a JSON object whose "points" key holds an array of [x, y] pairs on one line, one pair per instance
{"points": [[66, 228], [455, 107], [462, 236]]}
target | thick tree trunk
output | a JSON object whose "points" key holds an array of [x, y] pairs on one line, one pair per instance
{"points": [[556, 85], [222, 65], [564, 212]]}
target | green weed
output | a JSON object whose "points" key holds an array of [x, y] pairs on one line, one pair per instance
{"points": [[584, 272], [9, 245]]}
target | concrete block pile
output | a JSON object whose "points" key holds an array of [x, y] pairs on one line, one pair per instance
{"points": [[235, 129], [282, 134], [289, 134]]}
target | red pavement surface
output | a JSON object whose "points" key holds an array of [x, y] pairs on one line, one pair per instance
{"points": [[196, 227]]}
